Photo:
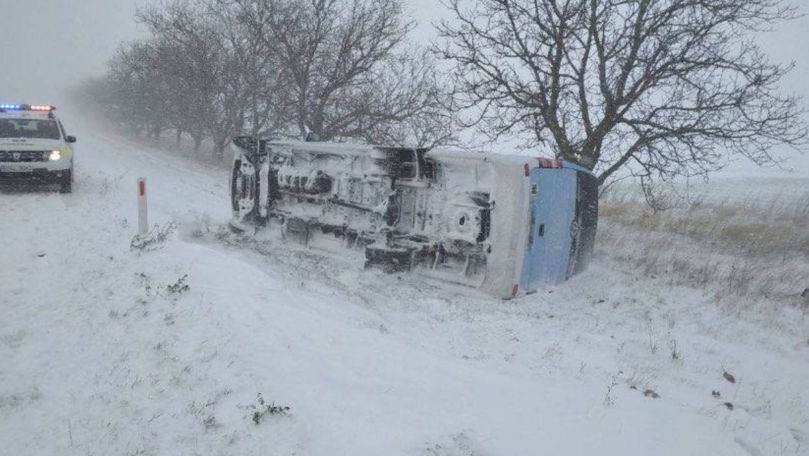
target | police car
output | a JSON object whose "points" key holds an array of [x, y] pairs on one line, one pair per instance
{"points": [[34, 146]]}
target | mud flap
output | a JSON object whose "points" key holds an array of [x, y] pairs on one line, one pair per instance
{"points": [[388, 260], [296, 230]]}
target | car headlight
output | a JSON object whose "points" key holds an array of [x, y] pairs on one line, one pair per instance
{"points": [[56, 155]]}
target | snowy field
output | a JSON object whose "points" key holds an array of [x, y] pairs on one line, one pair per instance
{"points": [[105, 351]]}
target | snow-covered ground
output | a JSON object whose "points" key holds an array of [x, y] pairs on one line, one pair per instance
{"points": [[103, 352]]}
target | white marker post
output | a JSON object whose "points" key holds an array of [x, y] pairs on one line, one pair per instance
{"points": [[143, 221]]}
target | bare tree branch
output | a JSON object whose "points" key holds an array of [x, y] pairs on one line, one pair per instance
{"points": [[670, 86]]}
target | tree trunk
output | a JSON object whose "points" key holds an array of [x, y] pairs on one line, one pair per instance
{"points": [[155, 132], [197, 143], [219, 145]]}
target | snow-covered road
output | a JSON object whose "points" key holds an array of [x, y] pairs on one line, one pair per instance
{"points": [[99, 355]]}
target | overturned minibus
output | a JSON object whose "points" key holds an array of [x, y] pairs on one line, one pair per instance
{"points": [[505, 224]]}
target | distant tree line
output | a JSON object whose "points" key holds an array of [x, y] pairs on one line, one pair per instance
{"points": [[331, 69], [656, 88]]}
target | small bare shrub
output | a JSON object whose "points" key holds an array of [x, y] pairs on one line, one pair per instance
{"points": [[675, 353], [651, 394], [179, 287], [263, 410], [609, 400], [656, 195], [153, 239]]}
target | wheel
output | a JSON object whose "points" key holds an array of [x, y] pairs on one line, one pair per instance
{"points": [[244, 190], [66, 182]]}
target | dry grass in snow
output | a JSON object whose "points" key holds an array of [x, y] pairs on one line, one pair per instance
{"points": [[750, 246]]}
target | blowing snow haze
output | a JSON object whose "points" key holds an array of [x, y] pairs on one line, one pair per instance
{"points": [[51, 45], [46, 41]]}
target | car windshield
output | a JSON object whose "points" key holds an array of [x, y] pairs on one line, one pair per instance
{"points": [[28, 128]]}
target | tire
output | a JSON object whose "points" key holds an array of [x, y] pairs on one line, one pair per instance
{"points": [[241, 187], [66, 182]]}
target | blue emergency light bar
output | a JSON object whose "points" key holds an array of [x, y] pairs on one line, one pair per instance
{"points": [[25, 107]]}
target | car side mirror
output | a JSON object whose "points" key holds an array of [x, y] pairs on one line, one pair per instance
{"points": [[71, 139]]}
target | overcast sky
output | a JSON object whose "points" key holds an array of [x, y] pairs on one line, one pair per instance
{"points": [[46, 45]]}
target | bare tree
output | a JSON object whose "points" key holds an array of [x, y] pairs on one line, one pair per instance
{"points": [[231, 77], [409, 104], [190, 58], [666, 87], [340, 69], [138, 91], [345, 62]]}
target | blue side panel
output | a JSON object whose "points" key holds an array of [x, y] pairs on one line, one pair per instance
{"points": [[553, 209]]}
